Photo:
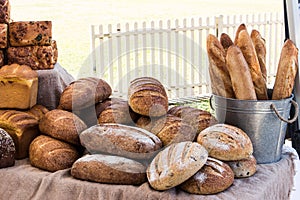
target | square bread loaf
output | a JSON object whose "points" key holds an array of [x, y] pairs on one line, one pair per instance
{"points": [[18, 87], [3, 36], [4, 11], [28, 33]]}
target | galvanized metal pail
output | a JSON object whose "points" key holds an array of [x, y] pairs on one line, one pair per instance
{"points": [[264, 121]]}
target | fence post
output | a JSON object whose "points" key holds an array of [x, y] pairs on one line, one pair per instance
{"points": [[219, 25]]}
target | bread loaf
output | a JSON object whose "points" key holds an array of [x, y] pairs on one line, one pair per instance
{"points": [[147, 96], [36, 57], [226, 142], [121, 140], [175, 164], [214, 177], [29, 33], [38, 111], [109, 169], [243, 168], [22, 127], [219, 75], [84, 93], [62, 125], [241, 27], [4, 11], [169, 129], [7, 150], [240, 74], [51, 154], [3, 36], [18, 87], [286, 71], [54, 50], [244, 42], [2, 58], [226, 41]]}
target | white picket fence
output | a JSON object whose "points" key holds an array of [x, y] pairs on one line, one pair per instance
{"points": [[174, 52]]}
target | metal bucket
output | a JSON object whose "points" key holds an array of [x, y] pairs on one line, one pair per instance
{"points": [[264, 121]]}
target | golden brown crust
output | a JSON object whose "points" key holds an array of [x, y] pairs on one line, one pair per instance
{"points": [[226, 41], [38, 111], [214, 177], [18, 71], [286, 72], [240, 75], [51, 154], [109, 169], [240, 28], [226, 142], [62, 125], [243, 168]]}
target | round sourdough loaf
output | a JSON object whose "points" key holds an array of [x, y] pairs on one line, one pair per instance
{"points": [[51, 154], [7, 150], [62, 125], [109, 169], [122, 140], [175, 164], [226, 142], [147, 96], [214, 177], [243, 168]]}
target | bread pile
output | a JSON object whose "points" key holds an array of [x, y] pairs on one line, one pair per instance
{"points": [[238, 68]]}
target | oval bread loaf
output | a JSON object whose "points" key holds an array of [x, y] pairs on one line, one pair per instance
{"points": [[109, 169], [214, 177], [243, 168], [226, 142], [175, 164], [122, 140], [7, 150], [38, 111]]}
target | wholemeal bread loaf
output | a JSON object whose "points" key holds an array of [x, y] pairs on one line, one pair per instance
{"points": [[29, 33], [122, 140], [51, 154], [214, 177], [3, 36], [243, 168], [4, 11], [22, 127], [175, 164], [147, 96], [109, 169], [7, 150], [218, 72], [286, 71], [240, 74], [36, 57], [62, 125], [18, 87], [84, 93], [226, 142], [169, 129], [38, 111], [226, 41]]}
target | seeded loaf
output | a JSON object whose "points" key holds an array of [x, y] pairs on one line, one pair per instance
{"points": [[22, 127], [3, 36], [62, 125], [121, 140], [109, 169], [214, 177], [51, 154], [226, 142], [4, 11], [147, 96], [243, 168], [7, 150], [18, 87], [175, 164], [2, 58]]}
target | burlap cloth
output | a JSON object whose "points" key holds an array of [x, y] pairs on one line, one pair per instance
{"points": [[22, 181]]}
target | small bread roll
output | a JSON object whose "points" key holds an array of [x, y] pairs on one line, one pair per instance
{"points": [[243, 168]]}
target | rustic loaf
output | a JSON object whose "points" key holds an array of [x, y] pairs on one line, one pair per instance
{"points": [[3, 36], [218, 72], [4, 11], [62, 125], [84, 93], [30, 33], [51, 154], [109, 169], [169, 128], [18, 87], [38, 111], [175, 164], [7, 150], [226, 142], [147, 96], [226, 41], [286, 71], [214, 177], [243, 168], [2, 58], [121, 140], [22, 127]]}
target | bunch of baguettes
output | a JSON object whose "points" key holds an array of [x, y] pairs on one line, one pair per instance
{"points": [[238, 68]]}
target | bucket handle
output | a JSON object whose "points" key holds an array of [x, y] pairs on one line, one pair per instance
{"points": [[210, 103], [294, 103]]}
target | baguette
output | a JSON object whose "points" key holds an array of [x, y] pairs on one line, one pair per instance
{"points": [[240, 74], [237, 33], [219, 75], [244, 42], [225, 41], [286, 72]]}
